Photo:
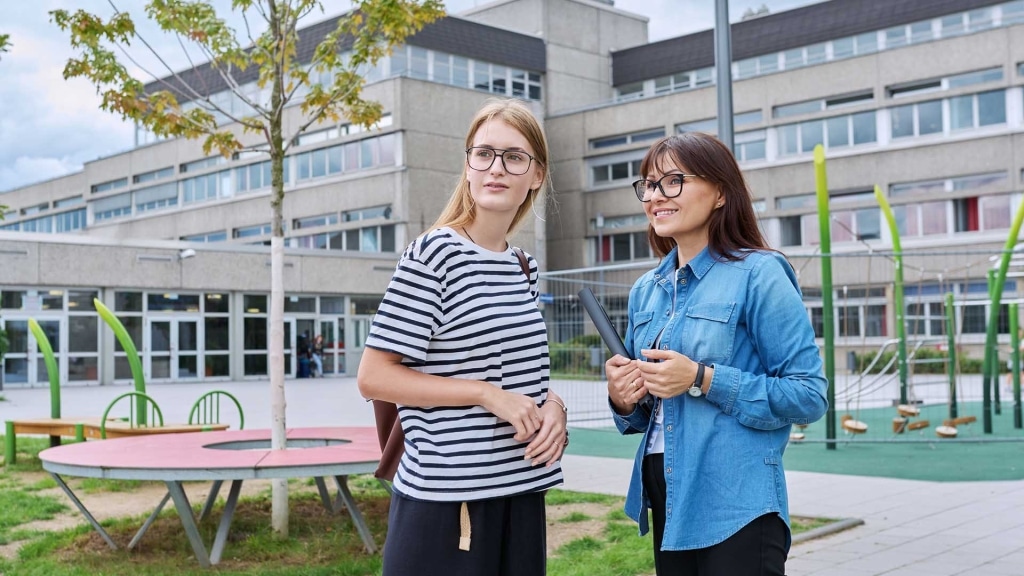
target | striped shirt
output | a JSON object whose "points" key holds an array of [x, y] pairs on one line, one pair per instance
{"points": [[458, 310]]}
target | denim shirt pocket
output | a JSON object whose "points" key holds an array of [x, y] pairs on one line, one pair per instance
{"points": [[641, 328], [712, 331]]}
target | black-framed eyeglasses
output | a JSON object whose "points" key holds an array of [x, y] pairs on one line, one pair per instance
{"points": [[516, 162], [671, 185]]}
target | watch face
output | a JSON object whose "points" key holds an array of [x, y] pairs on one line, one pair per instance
{"points": [[694, 391]]}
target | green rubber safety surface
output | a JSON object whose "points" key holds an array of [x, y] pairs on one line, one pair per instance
{"points": [[912, 455]]}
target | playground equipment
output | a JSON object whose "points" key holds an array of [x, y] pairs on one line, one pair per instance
{"points": [[137, 403], [55, 426], [207, 409], [205, 414]]}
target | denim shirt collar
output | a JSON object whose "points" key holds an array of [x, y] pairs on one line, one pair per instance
{"points": [[699, 265]]}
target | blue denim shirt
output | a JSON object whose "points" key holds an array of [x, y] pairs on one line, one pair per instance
{"points": [[723, 451]]}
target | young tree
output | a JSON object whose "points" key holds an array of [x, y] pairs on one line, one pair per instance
{"points": [[359, 40]]}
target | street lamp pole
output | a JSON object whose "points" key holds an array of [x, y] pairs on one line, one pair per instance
{"points": [[723, 73], [599, 224]]}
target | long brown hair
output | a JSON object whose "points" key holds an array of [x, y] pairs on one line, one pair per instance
{"points": [[461, 210], [732, 229]]}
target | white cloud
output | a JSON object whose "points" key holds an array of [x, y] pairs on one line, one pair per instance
{"points": [[25, 169]]}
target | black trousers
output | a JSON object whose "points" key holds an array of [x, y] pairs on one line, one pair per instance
{"points": [[509, 538], [758, 549]]}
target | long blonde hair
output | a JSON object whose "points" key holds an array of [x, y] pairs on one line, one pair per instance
{"points": [[461, 209]]}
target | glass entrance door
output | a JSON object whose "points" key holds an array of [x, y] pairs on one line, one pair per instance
{"points": [[289, 347], [172, 349], [24, 365], [333, 332]]}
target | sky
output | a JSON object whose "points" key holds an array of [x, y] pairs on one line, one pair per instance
{"points": [[50, 126]]}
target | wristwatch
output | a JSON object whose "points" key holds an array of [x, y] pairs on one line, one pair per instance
{"points": [[695, 390]]}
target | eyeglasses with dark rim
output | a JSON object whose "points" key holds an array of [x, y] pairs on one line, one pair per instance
{"points": [[515, 162], [674, 187]]}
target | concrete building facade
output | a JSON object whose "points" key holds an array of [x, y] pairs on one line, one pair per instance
{"points": [[922, 98]]}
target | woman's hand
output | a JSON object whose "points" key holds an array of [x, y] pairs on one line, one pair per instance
{"points": [[550, 442], [669, 374], [625, 383], [518, 410]]}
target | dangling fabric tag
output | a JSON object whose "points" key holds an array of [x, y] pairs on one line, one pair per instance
{"points": [[464, 528]]}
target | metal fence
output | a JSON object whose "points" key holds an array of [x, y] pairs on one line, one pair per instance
{"points": [[864, 320]]}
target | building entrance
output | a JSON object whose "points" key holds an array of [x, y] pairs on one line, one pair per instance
{"points": [[172, 349]]}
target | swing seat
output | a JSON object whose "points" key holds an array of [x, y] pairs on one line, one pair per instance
{"points": [[854, 426], [796, 436], [908, 410], [899, 424], [954, 422], [945, 431], [918, 424]]}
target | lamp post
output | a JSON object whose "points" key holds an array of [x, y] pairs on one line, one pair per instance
{"points": [[723, 73], [599, 224]]}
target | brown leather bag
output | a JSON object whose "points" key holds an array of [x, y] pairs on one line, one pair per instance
{"points": [[389, 426]]}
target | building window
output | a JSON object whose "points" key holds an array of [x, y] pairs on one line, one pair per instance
{"points": [[833, 133], [710, 125], [70, 201], [1013, 12], [982, 213], [369, 239], [364, 154], [800, 230], [202, 164], [623, 139], [251, 231], [219, 236], [366, 214], [972, 78], [965, 113], [811, 106], [156, 197], [315, 221], [207, 187], [924, 219], [856, 225], [110, 185], [257, 176], [112, 207], [622, 167], [621, 247], [751, 145], [70, 221], [154, 175]]}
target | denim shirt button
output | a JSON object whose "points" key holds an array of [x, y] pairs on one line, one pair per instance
{"points": [[668, 470], [668, 428], [682, 281], [664, 346]]}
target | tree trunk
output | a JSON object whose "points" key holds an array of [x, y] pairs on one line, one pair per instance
{"points": [[279, 487]]}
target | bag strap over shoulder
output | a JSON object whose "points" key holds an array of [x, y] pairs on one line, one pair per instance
{"points": [[524, 263]]}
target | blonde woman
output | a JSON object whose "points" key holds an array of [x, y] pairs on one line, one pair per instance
{"points": [[459, 344]]}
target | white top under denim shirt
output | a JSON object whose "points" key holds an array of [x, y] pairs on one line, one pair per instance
{"points": [[723, 450]]}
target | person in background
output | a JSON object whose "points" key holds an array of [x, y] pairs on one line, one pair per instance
{"points": [[726, 363], [459, 344], [317, 355], [302, 355]]}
